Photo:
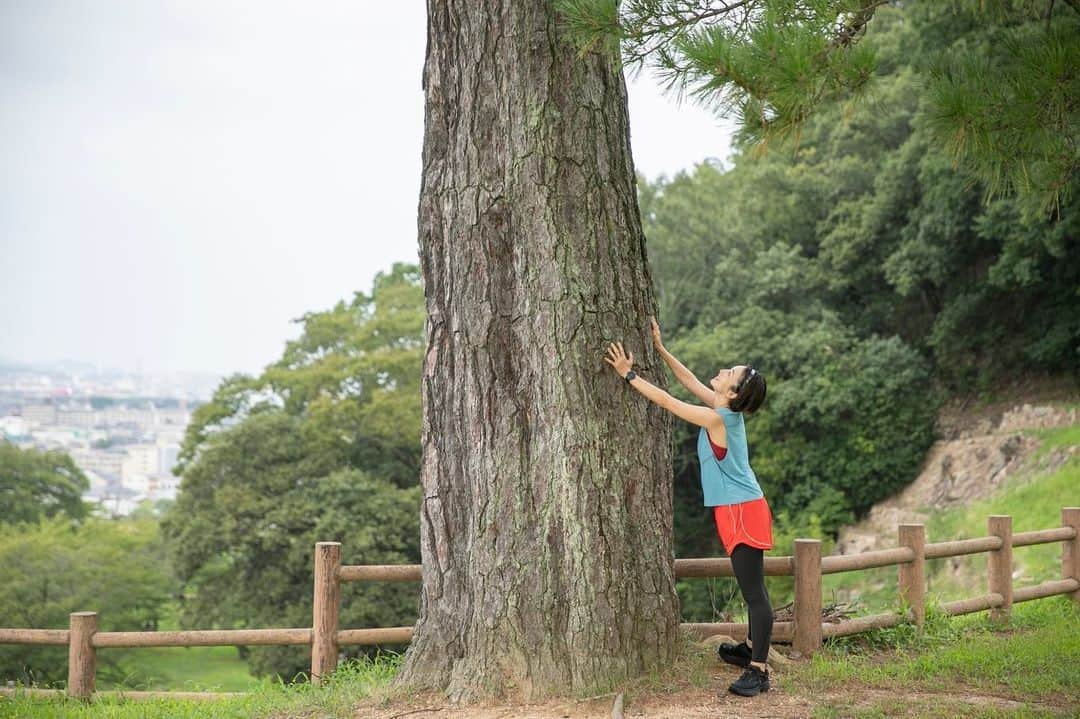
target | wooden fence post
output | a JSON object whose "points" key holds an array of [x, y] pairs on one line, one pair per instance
{"points": [[807, 596], [1070, 549], [913, 575], [324, 648], [82, 659], [999, 565]]}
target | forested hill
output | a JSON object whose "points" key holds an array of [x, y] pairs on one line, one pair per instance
{"points": [[867, 277]]}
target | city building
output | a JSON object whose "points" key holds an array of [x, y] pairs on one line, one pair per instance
{"points": [[39, 414]]}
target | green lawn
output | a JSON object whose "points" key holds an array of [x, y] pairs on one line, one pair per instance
{"points": [[352, 681], [217, 669], [961, 667]]}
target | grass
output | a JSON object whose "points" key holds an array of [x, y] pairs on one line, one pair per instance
{"points": [[352, 681], [189, 669], [1056, 438], [217, 669], [962, 667]]}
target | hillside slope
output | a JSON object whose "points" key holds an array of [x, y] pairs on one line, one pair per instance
{"points": [[974, 458]]}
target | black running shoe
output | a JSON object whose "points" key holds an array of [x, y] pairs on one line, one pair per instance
{"points": [[752, 682], [737, 654]]}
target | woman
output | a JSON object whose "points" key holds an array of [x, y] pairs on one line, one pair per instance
{"points": [[742, 515]]}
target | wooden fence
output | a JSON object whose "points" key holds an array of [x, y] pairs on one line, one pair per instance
{"points": [[806, 632]]}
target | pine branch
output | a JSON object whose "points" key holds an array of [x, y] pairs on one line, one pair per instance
{"points": [[654, 31], [858, 24]]}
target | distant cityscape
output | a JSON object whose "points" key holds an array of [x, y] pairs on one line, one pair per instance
{"points": [[123, 430]]}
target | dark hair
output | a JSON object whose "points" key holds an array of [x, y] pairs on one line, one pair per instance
{"points": [[749, 392]]}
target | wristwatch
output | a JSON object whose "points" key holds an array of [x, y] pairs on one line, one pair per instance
{"points": [[630, 375]]}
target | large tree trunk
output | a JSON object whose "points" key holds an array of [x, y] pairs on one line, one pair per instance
{"points": [[546, 521]]}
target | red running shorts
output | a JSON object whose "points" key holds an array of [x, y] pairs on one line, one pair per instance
{"points": [[747, 523]]}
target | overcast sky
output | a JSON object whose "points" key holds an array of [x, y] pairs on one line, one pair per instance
{"points": [[179, 180]]}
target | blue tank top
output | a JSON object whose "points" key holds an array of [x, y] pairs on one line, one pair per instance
{"points": [[730, 480]]}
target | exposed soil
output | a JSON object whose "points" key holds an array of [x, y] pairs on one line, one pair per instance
{"points": [[697, 688], [975, 455], [784, 701]]}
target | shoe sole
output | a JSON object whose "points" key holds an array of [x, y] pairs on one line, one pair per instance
{"points": [[751, 694], [736, 662]]}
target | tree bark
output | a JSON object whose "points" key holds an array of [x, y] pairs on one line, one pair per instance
{"points": [[546, 520]]}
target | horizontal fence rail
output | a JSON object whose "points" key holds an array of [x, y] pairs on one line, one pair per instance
{"points": [[719, 567], [960, 547], [806, 632], [59, 637], [975, 604], [1043, 536], [684, 569], [389, 635], [1046, 589], [863, 624], [781, 631], [866, 560], [380, 573], [203, 638]]}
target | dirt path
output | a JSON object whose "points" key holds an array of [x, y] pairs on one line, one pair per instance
{"points": [[690, 704], [782, 702]]}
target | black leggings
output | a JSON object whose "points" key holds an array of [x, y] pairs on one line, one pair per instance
{"points": [[749, 565]]}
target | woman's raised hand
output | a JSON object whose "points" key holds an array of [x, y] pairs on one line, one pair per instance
{"points": [[619, 359], [658, 343]]}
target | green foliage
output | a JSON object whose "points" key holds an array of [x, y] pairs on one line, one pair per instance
{"points": [[114, 567], [1000, 77], [354, 371], [841, 428], [868, 280], [1003, 98], [323, 446], [708, 600], [36, 485], [788, 527], [771, 62]]}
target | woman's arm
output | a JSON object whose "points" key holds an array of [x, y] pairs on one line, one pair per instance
{"points": [[695, 414], [685, 376]]}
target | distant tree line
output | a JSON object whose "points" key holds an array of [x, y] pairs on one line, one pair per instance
{"points": [[57, 557]]}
